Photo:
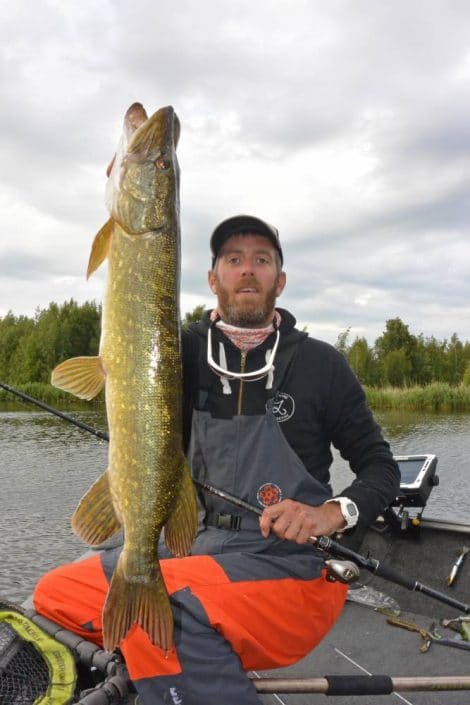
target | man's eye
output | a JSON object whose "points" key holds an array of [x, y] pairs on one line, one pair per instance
{"points": [[233, 260]]}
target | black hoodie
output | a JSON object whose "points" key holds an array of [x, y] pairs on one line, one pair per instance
{"points": [[316, 398]]}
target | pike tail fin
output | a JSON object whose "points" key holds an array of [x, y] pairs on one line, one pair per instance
{"points": [[82, 376], [144, 603], [181, 527], [100, 247], [95, 520]]}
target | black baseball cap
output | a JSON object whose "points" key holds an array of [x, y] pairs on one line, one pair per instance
{"points": [[239, 224]]}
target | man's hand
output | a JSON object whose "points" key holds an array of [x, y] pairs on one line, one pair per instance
{"points": [[294, 521]]}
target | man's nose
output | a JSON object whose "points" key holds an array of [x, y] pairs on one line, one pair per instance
{"points": [[248, 266]]}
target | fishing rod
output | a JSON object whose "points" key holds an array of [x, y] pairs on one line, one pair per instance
{"points": [[325, 543], [56, 412]]}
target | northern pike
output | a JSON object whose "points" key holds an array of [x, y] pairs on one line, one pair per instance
{"points": [[147, 485]]}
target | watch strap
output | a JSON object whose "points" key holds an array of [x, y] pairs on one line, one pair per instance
{"points": [[349, 511]]}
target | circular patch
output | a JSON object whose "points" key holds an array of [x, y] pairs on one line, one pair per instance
{"points": [[283, 407], [269, 494]]}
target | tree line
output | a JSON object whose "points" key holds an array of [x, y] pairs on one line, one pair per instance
{"points": [[31, 347], [400, 359]]}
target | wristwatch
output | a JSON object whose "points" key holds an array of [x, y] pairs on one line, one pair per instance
{"points": [[349, 510]]}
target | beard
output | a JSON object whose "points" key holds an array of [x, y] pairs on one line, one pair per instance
{"points": [[246, 314]]}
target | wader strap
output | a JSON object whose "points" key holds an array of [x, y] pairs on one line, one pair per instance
{"points": [[230, 522]]}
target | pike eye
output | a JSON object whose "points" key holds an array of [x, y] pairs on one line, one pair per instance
{"points": [[162, 163]]}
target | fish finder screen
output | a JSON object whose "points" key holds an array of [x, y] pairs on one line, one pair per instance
{"points": [[410, 470]]}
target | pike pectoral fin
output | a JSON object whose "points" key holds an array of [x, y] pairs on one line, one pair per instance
{"points": [[82, 376], [95, 520], [100, 247], [130, 602], [180, 529]]}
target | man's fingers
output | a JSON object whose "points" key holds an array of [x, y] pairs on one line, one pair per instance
{"points": [[268, 518], [292, 528]]}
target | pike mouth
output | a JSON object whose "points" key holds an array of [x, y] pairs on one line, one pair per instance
{"points": [[146, 235]]}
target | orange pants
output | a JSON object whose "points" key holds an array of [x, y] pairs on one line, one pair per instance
{"points": [[222, 627]]}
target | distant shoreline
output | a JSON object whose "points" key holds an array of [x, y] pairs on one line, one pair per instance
{"points": [[437, 396]]}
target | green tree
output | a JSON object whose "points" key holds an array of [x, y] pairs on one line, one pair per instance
{"points": [[13, 333], [397, 339], [31, 348], [466, 375], [193, 316], [397, 368], [361, 359], [456, 362], [396, 336], [342, 341], [430, 360]]}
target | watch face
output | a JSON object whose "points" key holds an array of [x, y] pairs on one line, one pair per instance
{"points": [[351, 509]]}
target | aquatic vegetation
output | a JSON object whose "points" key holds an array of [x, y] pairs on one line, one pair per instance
{"points": [[437, 396]]}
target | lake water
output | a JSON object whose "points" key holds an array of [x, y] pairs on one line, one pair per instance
{"points": [[47, 464]]}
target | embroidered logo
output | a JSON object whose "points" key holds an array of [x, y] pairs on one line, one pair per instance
{"points": [[283, 407], [268, 494]]}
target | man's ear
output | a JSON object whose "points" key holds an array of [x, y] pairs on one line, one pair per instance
{"points": [[212, 279], [281, 282]]}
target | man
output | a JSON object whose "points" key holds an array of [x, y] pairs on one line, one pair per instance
{"points": [[263, 403]]}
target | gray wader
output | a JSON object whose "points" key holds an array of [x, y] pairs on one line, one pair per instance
{"points": [[249, 457]]}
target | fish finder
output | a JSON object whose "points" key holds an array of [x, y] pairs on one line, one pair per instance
{"points": [[418, 477]]}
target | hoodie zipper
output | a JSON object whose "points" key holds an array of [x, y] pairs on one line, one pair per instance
{"points": [[240, 389]]}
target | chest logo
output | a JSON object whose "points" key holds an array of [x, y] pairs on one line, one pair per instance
{"points": [[268, 494], [283, 407]]}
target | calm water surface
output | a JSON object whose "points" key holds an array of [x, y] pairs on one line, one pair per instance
{"points": [[47, 464]]}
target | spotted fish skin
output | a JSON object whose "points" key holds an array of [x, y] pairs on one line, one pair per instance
{"points": [[147, 486]]}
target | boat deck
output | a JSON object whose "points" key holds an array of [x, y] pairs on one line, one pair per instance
{"points": [[362, 642]]}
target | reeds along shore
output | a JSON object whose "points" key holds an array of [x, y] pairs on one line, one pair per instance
{"points": [[437, 396]]}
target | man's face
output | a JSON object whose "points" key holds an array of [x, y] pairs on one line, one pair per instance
{"points": [[246, 281]]}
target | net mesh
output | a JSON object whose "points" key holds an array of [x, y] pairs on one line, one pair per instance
{"points": [[24, 675]]}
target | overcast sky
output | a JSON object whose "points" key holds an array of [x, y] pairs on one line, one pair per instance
{"points": [[346, 124]]}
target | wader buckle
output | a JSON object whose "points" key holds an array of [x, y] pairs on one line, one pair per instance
{"points": [[230, 522]]}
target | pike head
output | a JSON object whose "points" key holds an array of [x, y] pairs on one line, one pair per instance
{"points": [[147, 197]]}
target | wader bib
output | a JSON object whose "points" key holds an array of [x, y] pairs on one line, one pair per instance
{"points": [[249, 457], [240, 601]]}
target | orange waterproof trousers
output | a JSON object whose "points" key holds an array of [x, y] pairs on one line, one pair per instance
{"points": [[223, 627]]}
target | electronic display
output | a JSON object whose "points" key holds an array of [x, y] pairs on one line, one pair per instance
{"points": [[418, 477]]}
